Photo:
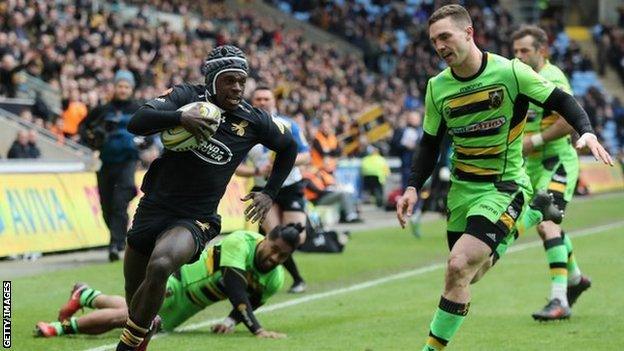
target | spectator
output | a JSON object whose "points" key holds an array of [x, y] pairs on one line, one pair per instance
{"points": [[73, 114], [24, 146], [105, 129], [8, 75], [33, 149], [405, 143], [325, 148], [375, 170], [320, 189]]}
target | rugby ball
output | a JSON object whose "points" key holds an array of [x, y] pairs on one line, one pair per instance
{"points": [[179, 139]]}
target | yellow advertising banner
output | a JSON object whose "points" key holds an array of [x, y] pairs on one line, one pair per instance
{"points": [[56, 212], [600, 178]]}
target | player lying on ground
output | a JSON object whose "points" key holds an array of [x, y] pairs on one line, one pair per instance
{"points": [[243, 268]]}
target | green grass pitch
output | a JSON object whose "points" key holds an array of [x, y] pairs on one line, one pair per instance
{"points": [[395, 281]]}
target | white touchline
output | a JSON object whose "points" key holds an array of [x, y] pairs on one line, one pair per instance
{"points": [[371, 283]]}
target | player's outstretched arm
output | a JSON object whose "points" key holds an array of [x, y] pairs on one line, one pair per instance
{"points": [[573, 113], [236, 291]]}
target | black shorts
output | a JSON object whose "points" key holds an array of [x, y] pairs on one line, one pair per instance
{"points": [[290, 198], [151, 221], [481, 228]]}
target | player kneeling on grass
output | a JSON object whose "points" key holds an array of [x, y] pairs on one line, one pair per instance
{"points": [[244, 268]]}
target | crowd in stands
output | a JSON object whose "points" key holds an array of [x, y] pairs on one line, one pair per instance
{"points": [[393, 36], [78, 47]]}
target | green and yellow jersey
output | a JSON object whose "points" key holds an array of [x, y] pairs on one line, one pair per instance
{"points": [[203, 279], [485, 116], [539, 119]]}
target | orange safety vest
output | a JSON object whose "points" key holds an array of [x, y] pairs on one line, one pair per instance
{"points": [[328, 143], [320, 180]]}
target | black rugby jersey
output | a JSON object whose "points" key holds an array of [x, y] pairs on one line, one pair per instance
{"points": [[191, 183]]}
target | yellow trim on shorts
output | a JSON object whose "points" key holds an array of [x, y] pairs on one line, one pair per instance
{"points": [[214, 291], [210, 260], [507, 220]]}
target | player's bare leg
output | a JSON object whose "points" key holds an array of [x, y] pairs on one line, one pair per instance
{"points": [[174, 248], [135, 264], [110, 313], [467, 257]]}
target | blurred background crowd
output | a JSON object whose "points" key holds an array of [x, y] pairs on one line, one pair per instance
{"points": [[77, 47]]}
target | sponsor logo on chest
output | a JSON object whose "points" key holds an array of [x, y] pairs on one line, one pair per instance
{"points": [[213, 151]]}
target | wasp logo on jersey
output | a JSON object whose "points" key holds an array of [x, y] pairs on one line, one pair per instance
{"points": [[239, 128]]}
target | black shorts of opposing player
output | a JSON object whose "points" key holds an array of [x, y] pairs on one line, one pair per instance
{"points": [[290, 198]]}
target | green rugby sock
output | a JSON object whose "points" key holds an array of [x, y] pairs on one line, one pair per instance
{"points": [[446, 321], [574, 272], [528, 219], [87, 296], [557, 257], [66, 327]]}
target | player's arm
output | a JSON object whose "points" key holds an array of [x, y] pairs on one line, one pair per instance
{"points": [[545, 94], [425, 159], [235, 286], [229, 323], [160, 113], [246, 170], [257, 298], [303, 149], [555, 131], [275, 136], [279, 139]]}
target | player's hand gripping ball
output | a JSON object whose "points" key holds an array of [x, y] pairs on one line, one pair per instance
{"points": [[199, 122]]}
